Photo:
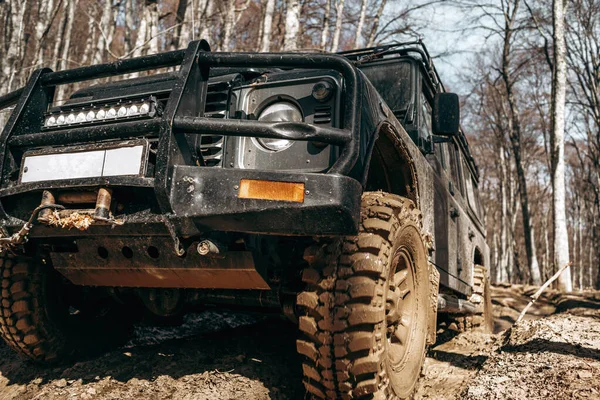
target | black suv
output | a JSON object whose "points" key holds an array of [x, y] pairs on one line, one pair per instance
{"points": [[337, 188]]}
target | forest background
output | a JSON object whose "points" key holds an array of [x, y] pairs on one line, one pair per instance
{"points": [[507, 82]]}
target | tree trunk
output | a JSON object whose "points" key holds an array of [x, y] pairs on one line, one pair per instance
{"points": [[45, 15], [591, 264], [326, 17], [339, 19], [375, 27], [496, 276], [64, 61], [142, 33], [292, 25], [185, 18], [229, 23], [514, 133], [361, 24], [89, 50], [580, 250], [546, 264], [129, 12], [513, 259], [557, 144], [267, 26], [206, 10], [60, 37], [504, 254], [153, 8], [107, 27], [13, 59]]}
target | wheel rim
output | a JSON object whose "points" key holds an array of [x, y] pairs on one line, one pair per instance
{"points": [[401, 307]]}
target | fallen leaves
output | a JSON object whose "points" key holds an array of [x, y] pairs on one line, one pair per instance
{"points": [[75, 220]]}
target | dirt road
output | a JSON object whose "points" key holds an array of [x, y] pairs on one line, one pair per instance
{"points": [[555, 354]]}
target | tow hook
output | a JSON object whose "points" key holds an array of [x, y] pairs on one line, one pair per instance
{"points": [[47, 200], [102, 210], [208, 248]]}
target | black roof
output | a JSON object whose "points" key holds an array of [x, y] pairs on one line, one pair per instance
{"points": [[418, 51]]}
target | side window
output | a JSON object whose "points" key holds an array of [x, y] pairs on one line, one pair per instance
{"points": [[472, 195], [441, 153], [425, 128], [455, 167]]}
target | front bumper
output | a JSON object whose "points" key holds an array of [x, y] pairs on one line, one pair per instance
{"points": [[209, 198], [187, 199]]}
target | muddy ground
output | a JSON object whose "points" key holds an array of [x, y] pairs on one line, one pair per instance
{"points": [[554, 354]]}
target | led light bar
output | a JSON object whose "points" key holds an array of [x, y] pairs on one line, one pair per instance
{"points": [[97, 114]]}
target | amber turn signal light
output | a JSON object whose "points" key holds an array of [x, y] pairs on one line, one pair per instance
{"points": [[270, 190]]}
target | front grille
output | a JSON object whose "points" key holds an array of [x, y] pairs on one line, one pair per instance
{"points": [[322, 115], [217, 99]]}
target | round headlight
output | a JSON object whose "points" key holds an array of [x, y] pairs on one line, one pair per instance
{"points": [[279, 112]]}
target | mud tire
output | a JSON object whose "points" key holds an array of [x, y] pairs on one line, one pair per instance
{"points": [[37, 323], [346, 307], [483, 319]]}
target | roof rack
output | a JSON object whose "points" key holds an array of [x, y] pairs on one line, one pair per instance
{"points": [[411, 48]]}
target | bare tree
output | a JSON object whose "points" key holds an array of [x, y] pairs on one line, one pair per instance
{"points": [[152, 7], [46, 11], [90, 50], [510, 15], [557, 143], [292, 25], [339, 19], [14, 32], [108, 29], [229, 23], [64, 60], [325, 32], [185, 18], [375, 25], [267, 26], [142, 32], [361, 24], [205, 15]]}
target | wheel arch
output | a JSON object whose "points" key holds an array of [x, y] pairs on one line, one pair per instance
{"points": [[391, 167], [478, 258]]}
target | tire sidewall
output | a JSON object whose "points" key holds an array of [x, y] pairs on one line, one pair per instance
{"points": [[403, 377]]}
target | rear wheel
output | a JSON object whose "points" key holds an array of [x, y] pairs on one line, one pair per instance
{"points": [[364, 311], [483, 319], [44, 318], [482, 296]]}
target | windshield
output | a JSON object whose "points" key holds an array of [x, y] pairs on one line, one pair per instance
{"points": [[393, 82]]}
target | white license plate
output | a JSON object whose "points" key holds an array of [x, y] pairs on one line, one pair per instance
{"points": [[121, 161]]}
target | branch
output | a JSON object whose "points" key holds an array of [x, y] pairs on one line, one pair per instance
{"points": [[537, 294]]}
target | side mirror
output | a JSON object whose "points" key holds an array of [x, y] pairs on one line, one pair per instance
{"points": [[446, 114]]}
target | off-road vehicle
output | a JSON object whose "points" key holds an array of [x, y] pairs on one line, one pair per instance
{"points": [[337, 188]]}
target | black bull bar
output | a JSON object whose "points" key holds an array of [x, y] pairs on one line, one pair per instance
{"points": [[183, 116]]}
